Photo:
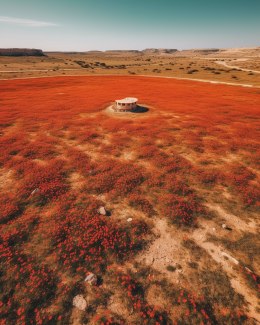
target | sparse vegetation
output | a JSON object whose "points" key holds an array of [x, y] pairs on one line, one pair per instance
{"points": [[135, 62], [157, 254]]}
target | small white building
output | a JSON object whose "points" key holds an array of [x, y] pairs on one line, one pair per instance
{"points": [[125, 105]]}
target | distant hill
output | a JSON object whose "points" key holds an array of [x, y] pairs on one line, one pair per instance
{"points": [[120, 51], [21, 52], [159, 51], [210, 52], [221, 53], [207, 51]]}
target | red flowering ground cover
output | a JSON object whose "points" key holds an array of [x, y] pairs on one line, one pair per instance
{"points": [[63, 155]]}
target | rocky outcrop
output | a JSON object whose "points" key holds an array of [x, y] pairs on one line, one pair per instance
{"points": [[159, 51], [207, 51], [21, 52]]}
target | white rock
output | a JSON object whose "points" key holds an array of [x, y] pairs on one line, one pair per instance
{"points": [[224, 226], [79, 302], [102, 211], [248, 270], [91, 279], [129, 219], [230, 258], [35, 191]]}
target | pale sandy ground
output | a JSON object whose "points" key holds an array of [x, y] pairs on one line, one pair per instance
{"points": [[224, 258], [235, 66], [166, 250], [207, 81], [191, 64]]}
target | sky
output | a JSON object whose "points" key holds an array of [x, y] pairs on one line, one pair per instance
{"points": [[82, 25]]}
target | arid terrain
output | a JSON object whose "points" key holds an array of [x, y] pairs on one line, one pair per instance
{"points": [[235, 66], [179, 242]]}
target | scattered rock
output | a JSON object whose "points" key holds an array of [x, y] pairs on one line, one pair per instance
{"points": [[79, 302], [129, 219], [91, 279], [102, 211], [35, 191], [224, 226], [248, 270], [230, 258]]}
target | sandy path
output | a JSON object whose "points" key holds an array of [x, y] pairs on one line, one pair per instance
{"points": [[204, 80], [235, 67]]}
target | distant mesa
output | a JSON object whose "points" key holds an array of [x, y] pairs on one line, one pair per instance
{"points": [[170, 52], [21, 52], [74, 52], [207, 51], [123, 51], [150, 51], [159, 51]]}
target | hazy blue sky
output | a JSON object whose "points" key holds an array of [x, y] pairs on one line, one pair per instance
{"points": [[129, 24]]}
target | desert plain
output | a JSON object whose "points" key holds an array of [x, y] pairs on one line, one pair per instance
{"points": [[179, 243]]}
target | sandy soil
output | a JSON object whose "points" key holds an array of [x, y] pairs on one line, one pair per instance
{"points": [[237, 67], [227, 262], [190, 65]]}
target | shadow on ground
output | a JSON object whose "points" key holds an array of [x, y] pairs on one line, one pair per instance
{"points": [[140, 109]]}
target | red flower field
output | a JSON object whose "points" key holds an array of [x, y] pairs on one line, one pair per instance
{"points": [[63, 155]]}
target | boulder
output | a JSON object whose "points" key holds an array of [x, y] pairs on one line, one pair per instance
{"points": [[224, 226], [102, 211], [79, 302], [91, 279]]}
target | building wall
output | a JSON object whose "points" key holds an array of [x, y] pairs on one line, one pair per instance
{"points": [[126, 107]]}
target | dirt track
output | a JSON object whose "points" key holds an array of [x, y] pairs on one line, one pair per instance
{"points": [[235, 67]]}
